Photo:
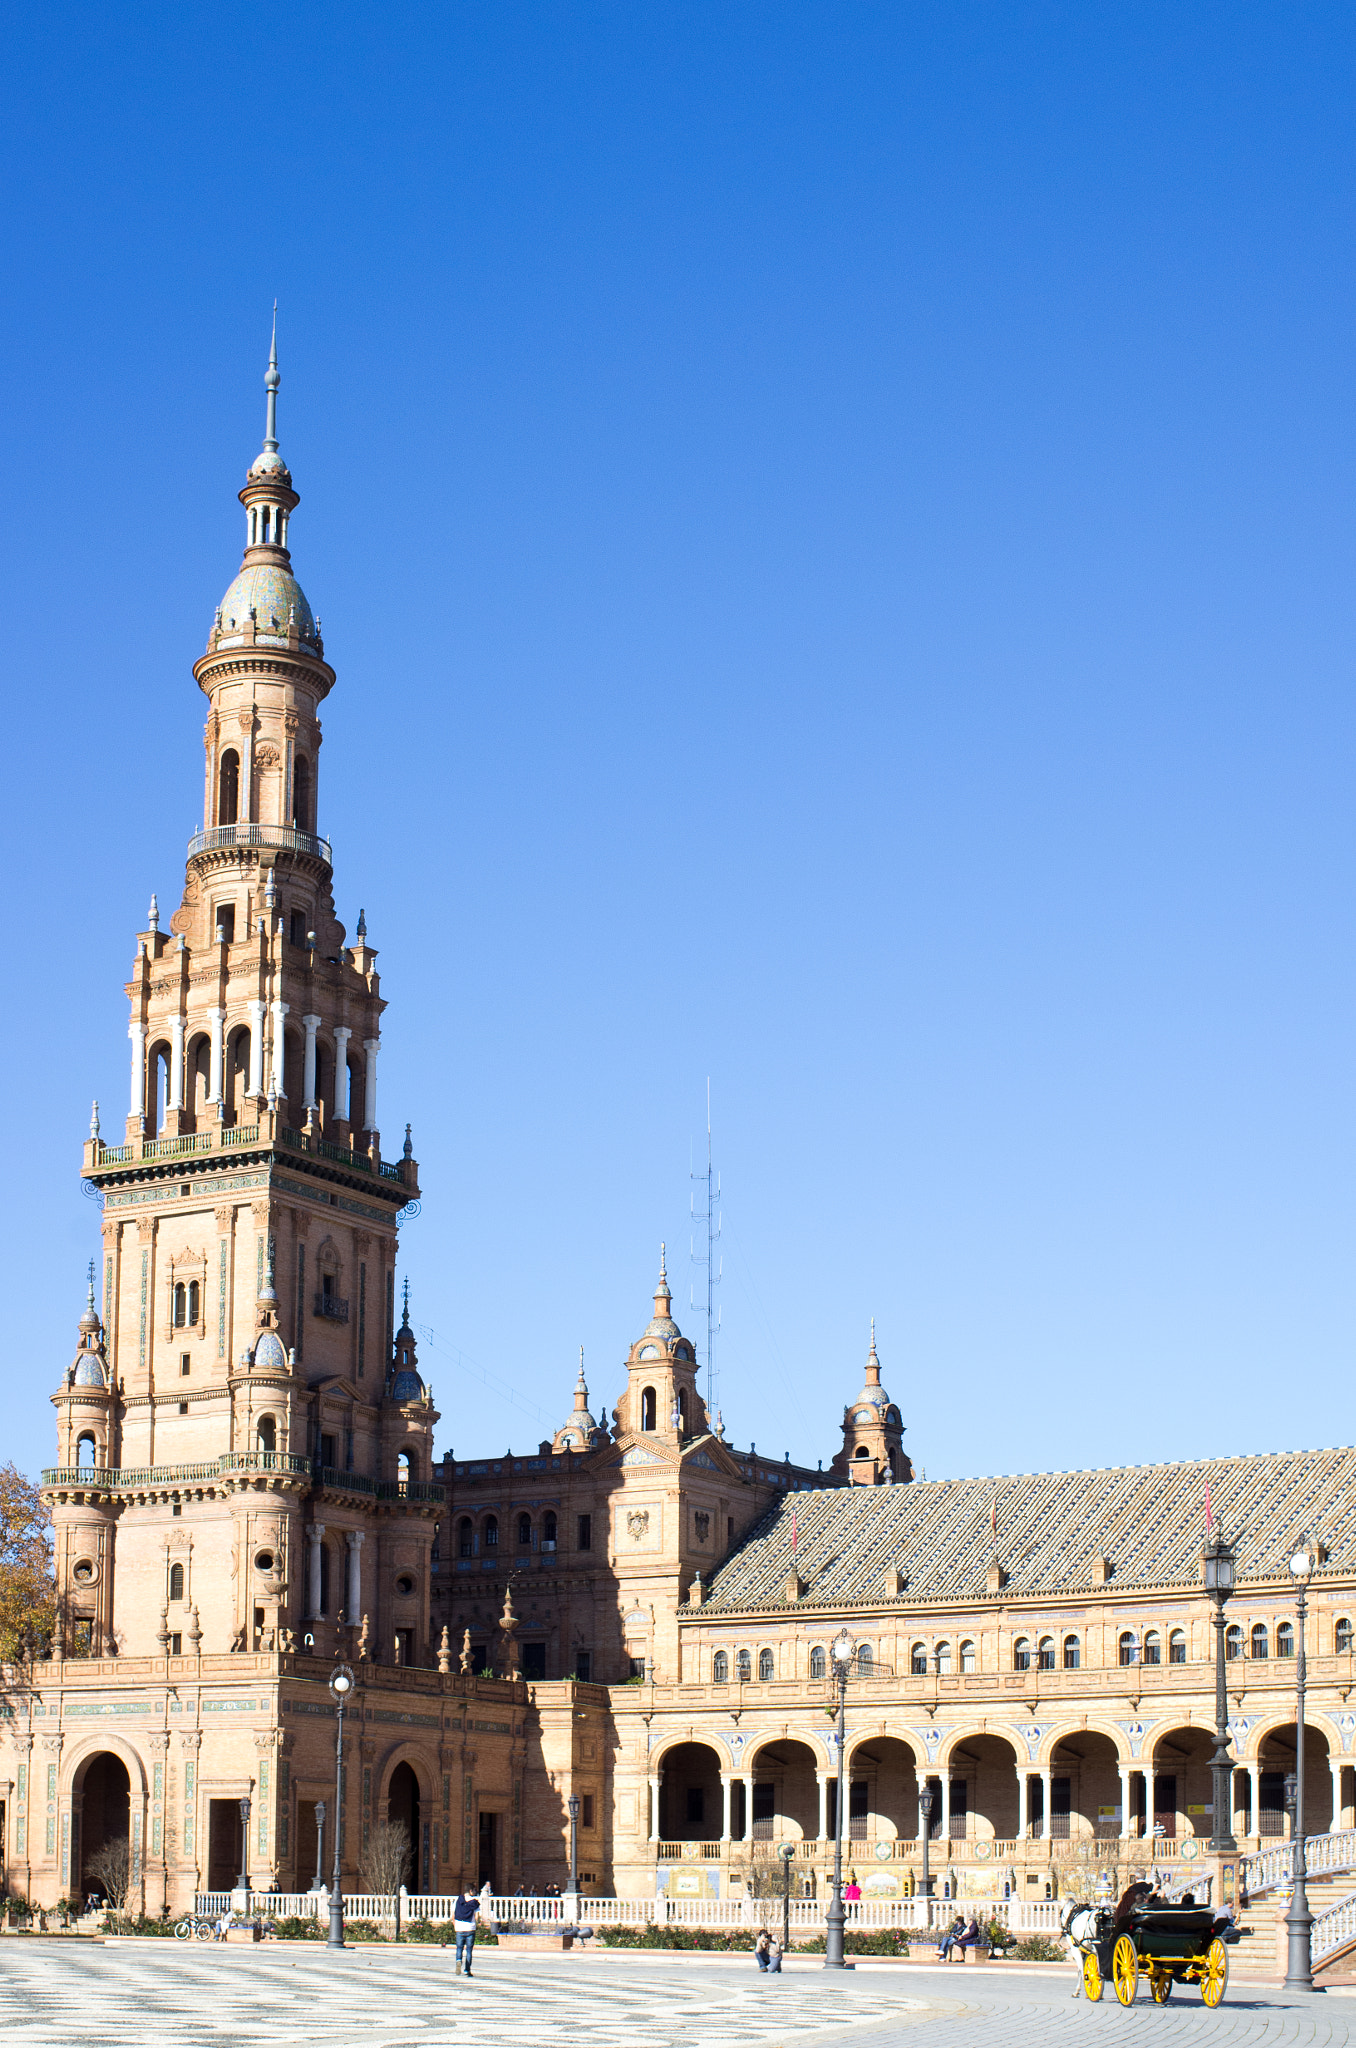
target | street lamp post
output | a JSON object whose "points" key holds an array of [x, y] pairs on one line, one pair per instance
{"points": [[844, 1650], [243, 1881], [927, 1799], [572, 1806], [341, 1685], [1219, 1584], [1299, 1969], [320, 1845]]}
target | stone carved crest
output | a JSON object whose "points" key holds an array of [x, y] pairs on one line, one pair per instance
{"points": [[638, 1523], [266, 756], [703, 1525]]}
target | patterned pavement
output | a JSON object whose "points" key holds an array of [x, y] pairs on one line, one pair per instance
{"points": [[64, 1992]]}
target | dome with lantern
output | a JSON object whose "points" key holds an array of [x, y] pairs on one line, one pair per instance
{"points": [[404, 1383], [88, 1368]]}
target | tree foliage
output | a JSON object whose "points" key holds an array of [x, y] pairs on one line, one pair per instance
{"points": [[385, 1862], [27, 1584], [110, 1867]]}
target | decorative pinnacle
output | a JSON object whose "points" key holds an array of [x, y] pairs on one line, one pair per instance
{"points": [[153, 914], [91, 1283], [407, 1300], [362, 924], [271, 383], [409, 1143], [663, 1274], [94, 1119]]}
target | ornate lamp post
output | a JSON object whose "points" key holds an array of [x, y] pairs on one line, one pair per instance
{"points": [[243, 1881], [844, 1650], [572, 1806], [927, 1799], [320, 1845], [1219, 1584], [1299, 1970], [341, 1685]]}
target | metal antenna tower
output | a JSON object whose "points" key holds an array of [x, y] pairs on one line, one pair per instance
{"points": [[711, 1262]]}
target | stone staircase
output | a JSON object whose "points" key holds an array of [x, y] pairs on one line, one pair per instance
{"points": [[1261, 1955]]}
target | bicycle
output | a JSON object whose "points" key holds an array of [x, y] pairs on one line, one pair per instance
{"points": [[193, 1927]]}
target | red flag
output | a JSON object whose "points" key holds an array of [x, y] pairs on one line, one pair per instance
{"points": [[1209, 1518], [793, 1528]]}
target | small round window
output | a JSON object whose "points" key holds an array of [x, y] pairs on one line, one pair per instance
{"points": [[264, 1561], [405, 1585], [83, 1572]]}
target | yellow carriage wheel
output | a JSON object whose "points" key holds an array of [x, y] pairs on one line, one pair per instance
{"points": [[1125, 1970], [1092, 1977], [1215, 1974], [1160, 1983]]}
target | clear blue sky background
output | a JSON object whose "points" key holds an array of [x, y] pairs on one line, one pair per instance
{"points": [[834, 523]]}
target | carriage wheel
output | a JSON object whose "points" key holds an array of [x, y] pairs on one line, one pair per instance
{"points": [[1215, 1975], [1160, 1983], [1125, 1970], [1092, 1977]]}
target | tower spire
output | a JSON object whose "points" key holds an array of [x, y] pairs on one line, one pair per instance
{"points": [[271, 383]]}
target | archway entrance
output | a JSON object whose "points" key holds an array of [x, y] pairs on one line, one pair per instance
{"points": [[402, 1810], [1277, 1759], [105, 1816], [1183, 1789], [883, 1791], [690, 1794], [1085, 1788], [785, 1793], [983, 1789]]}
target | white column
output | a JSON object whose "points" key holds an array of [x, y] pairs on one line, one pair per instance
{"points": [[217, 1019], [314, 1536], [136, 1031], [1255, 1811], [1127, 1773], [312, 1025], [1023, 1790], [256, 1010], [725, 1806], [176, 1078], [354, 1602], [279, 1012], [371, 1046], [1335, 1766], [654, 1809], [823, 1778], [1045, 1805], [946, 1804], [342, 1035]]}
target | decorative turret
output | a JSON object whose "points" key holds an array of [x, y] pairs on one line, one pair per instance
{"points": [[579, 1431], [84, 1402], [404, 1383], [662, 1395], [873, 1434]]}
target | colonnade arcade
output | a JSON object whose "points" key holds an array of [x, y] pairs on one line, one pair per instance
{"points": [[1085, 1785]]}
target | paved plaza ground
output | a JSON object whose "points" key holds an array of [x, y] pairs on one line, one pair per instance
{"points": [[86, 1992]]}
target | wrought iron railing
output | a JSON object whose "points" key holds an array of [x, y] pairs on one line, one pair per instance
{"points": [[122, 1479], [332, 1308], [219, 837]]}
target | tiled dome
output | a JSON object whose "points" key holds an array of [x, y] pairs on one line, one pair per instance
{"points": [[273, 592], [89, 1371], [269, 1355], [407, 1386]]}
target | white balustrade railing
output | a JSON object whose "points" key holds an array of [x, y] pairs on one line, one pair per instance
{"points": [[1333, 1929], [1329, 1853]]}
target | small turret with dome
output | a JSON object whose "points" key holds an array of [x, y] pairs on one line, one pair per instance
{"points": [[86, 1397], [404, 1383], [579, 1431], [88, 1367], [873, 1433], [265, 595], [661, 1394]]}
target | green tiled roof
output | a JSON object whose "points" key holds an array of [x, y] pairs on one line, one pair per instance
{"points": [[1147, 1520]]}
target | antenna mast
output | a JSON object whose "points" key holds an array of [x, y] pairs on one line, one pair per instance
{"points": [[709, 1259]]}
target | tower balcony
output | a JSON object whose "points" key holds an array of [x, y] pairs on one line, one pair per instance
{"points": [[284, 838]]}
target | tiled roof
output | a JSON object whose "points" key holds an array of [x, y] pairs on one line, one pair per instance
{"points": [[1147, 1520]]}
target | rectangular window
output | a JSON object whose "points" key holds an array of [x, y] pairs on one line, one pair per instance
{"points": [[534, 1660], [176, 1644], [637, 1667], [183, 1407], [185, 1363], [583, 1664], [226, 922], [586, 1817], [585, 1532], [327, 1450]]}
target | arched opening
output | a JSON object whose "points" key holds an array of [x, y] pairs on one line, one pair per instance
{"points": [[548, 1531], [744, 1666], [194, 1303], [883, 1793], [785, 1793], [199, 1075], [767, 1666], [647, 1407], [490, 1533], [866, 1661], [683, 1428], [466, 1545], [969, 1659], [228, 788], [105, 1818], [983, 1789], [402, 1810], [354, 1098], [236, 1080], [294, 1073], [301, 794], [84, 1450], [524, 1532], [689, 1794], [1085, 1787], [818, 1661], [404, 1470], [180, 1304], [266, 1432], [1277, 1756], [158, 1087], [176, 1585], [720, 1668], [324, 1073], [1181, 1781], [324, 1578]]}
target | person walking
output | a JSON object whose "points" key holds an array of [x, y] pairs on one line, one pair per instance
{"points": [[464, 1921]]}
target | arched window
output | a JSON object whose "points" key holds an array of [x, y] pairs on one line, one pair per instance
{"points": [[1285, 1639], [744, 1665], [1021, 1654], [228, 788], [524, 1532], [404, 1470], [1153, 1647], [301, 794], [1129, 1648], [1177, 1647], [176, 1582], [866, 1662], [466, 1539], [84, 1450], [180, 1304], [1257, 1646], [1343, 1637], [194, 1300], [548, 1531], [720, 1668], [268, 1433], [491, 1532], [918, 1661], [943, 1655], [1233, 1641], [817, 1666], [1045, 1654], [967, 1657], [766, 1665], [1073, 1653], [647, 1407]]}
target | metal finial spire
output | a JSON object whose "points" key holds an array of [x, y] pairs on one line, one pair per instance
{"points": [[407, 1300], [873, 1333], [271, 383], [94, 1118], [91, 1283], [362, 923], [663, 1274]]}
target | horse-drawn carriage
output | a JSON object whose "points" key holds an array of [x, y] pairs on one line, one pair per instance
{"points": [[1168, 1944]]}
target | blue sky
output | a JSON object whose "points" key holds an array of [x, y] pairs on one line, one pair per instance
{"points": [[834, 524]]}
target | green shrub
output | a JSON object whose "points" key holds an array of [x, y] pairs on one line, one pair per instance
{"points": [[137, 1923], [723, 1940], [1038, 1948], [298, 1928], [441, 1933]]}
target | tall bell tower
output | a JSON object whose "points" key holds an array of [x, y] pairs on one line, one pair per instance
{"points": [[252, 1473]]}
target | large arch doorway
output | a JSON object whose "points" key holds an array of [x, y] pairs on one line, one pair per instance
{"points": [[883, 1791], [105, 1816], [1085, 1788], [1276, 1756], [983, 1789], [402, 1810], [690, 1794], [785, 1793], [1183, 1789]]}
